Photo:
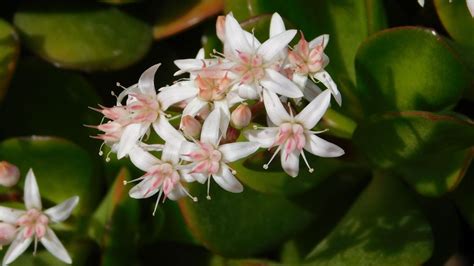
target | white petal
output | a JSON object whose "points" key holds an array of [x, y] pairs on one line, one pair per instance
{"points": [[171, 152], [186, 148], [32, 195], [470, 6], [187, 177], [233, 98], [326, 79], [311, 91], [254, 43], [313, 112], [226, 180], [193, 107], [201, 178], [321, 147], [17, 247], [235, 36], [279, 84], [63, 210], [290, 162], [175, 94], [321, 39], [131, 134], [234, 151], [270, 48], [276, 25], [200, 54], [144, 189], [166, 131], [142, 159], [51, 242], [248, 92], [146, 83], [177, 192], [225, 115], [300, 80], [421, 2], [265, 137], [210, 127], [275, 110], [10, 215]]}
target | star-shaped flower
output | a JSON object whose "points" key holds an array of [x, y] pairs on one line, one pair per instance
{"points": [[33, 224]]}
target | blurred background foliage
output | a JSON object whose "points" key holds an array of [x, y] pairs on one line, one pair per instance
{"points": [[402, 195]]}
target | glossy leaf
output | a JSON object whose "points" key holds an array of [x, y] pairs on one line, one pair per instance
{"points": [[115, 224], [456, 20], [408, 68], [9, 50], [394, 138], [464, 197], [275, 181], [237, 225], [173, 18], [384, 227], [62, 168], [49, 101], [90, 37]]}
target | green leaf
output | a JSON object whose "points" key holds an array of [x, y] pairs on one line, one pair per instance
{"points": [[347, 22], [43, 100], [275, 181], [62, 168], [408, 68], [457, 20], [90, 37], [173, 18], [383, 227], [464, 197], [115, 224], [394, 138], [9, 50], [237, 225]]}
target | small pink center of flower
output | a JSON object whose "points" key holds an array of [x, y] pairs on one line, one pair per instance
{"points": [[306, 60], [212, 89], [163, 175], [207, 159], [291, 137], [250, 68], [34, 222]]}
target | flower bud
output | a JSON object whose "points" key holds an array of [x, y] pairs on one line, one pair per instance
{"points": [[9, 174], [190, 126], [231, 136], [7, 233], [241, 116], [220, 28]]}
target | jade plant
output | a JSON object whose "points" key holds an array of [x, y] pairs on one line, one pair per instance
{"points": [[329, 132]]}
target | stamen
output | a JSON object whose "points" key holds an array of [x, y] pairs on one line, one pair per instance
{"points": [[36, 246], [120, 86], [289, 108], [265, 166], [100, 149], [157, 201], [107, 159], [306, 162], [319, 132], [208, 187], [174, 117], [125, 182], [195, 199]]}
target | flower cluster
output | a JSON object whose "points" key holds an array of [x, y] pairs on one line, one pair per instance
{"points": [[222, 98], [20, 228]]}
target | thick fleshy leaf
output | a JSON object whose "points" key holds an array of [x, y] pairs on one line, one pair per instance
{"points": [[50, 102], [395, 138], [464, 197], [91, 37], [115, 224], [172, 18], [408, 68], [384, 226], [356, 20], [456, 20], [9, 50], [218, 223], [62, 169]]}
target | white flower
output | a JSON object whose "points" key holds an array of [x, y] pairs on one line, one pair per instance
{"points": [[130, 122], [291, 134], [33, 223], [255, 65], [162, 176], [209, 159]]}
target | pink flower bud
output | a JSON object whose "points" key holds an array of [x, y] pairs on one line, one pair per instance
{"points": [[241, 116], [231, 136], [190, 126], [9, 174], [220, 28], [7, 233]]}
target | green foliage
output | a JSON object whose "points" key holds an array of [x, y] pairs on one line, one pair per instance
{"points": [[9, 49]]}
